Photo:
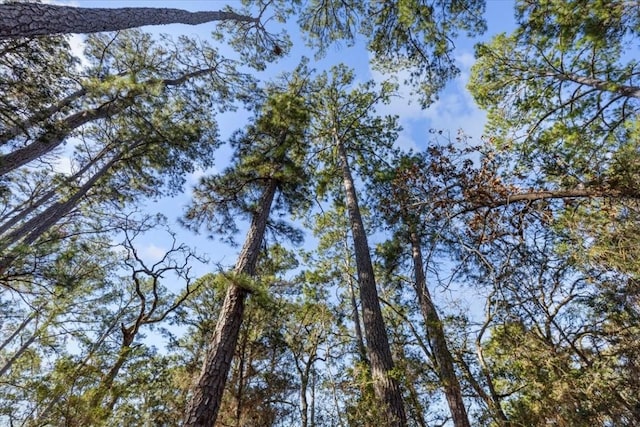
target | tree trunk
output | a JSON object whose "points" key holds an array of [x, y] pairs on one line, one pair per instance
{"points": [[304, 404], [313, 400], [362, 352], [241, 368], [435, 331], [386, 388], [107, 380], [40, 116], [51, 139], [24, 347], [19, 214], [20, 328], [207, 394], [34, 19], [42, 415], [30, 231]]}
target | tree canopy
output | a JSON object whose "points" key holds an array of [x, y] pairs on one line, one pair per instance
{"points": [[344, 280]]}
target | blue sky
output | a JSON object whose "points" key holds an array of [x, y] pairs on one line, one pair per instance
{"points": [[454, 110]]}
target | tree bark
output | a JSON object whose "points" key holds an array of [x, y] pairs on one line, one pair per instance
{"points": [[386, 388], [435, 331], [35, 19], [203, 408], [362, 352]]}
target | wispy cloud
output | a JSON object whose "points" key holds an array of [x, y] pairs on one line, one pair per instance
{"points": [[454, 110], [152, 253], [63, 165], [194, 177]]}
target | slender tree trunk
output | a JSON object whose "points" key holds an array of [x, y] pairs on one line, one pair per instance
{"points": [[40, 116], [304, 404], [312, 416], [41, 417], [30, 231], [386, 388], [494, 400], [443, 358], [128, 335], [362, 352], [33, 19], [107, 380], [20, 328], [24, 347], [240, 392], [207, 394], [415, 409], [21, 214], [51, 139], [48, 141]]}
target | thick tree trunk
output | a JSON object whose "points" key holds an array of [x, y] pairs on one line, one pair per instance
{"points": [[435, 331], [386, 387], [207, 394], [34, 19]]}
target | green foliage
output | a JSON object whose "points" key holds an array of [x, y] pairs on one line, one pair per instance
{"points": [[272, 148], [557, 344], [346, 114], [34, 73], [559, 89], [413, 38]]}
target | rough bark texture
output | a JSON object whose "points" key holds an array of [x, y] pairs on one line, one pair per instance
{"points": [[385, 386], [207, 395], [33, 19], [444, 360]]}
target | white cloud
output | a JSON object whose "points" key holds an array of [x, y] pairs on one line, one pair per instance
{"points": [[454, 110], [405, 141], [76, 42], [194, 177], [465, 60], [63, 165], [152, 253]]}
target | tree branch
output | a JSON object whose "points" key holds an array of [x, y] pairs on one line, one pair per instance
{"points": [[603, 85], [34, 19]]}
